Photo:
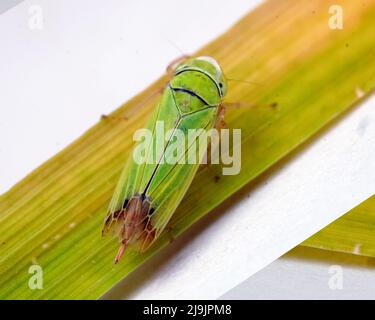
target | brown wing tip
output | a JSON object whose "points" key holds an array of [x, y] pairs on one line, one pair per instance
{"points": [[106, 224]]}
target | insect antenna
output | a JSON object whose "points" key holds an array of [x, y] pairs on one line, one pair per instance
{"points": [[173, 44], [244, 81]]}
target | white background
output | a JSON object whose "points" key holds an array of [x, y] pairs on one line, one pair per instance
{"points": [[91, 56]]}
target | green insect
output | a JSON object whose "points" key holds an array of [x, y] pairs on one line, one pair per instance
{"points": [[147, 194]]}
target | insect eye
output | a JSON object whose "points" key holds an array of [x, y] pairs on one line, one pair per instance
{"points": [[220, 85]]}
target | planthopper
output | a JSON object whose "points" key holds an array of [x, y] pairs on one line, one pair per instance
{"points": [[161, 167]]}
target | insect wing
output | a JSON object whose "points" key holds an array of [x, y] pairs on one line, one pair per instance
{"points": [[171, 180], [135, 177]]}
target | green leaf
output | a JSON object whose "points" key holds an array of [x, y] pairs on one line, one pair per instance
{"points": [[306, 75], [353, 233]]}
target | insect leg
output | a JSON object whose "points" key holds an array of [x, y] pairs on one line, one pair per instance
{"points": [[169, 230], [220, 123], [153, 93], [159, 90], [247, 105], [213, 146], [106, 117]]}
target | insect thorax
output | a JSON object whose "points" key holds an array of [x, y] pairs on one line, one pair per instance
{"points": [[194, 91]]}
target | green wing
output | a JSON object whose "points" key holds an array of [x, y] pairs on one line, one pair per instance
{"points": [[160, 183], [171, 181], [134, 176]]}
